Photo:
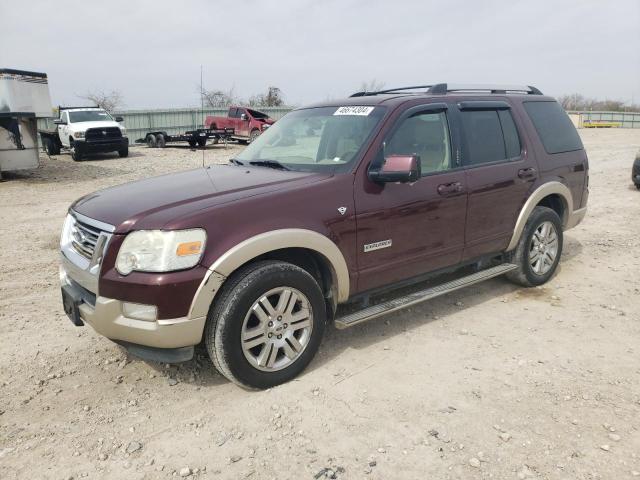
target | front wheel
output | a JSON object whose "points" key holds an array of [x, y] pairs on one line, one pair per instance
{"points": [[124, 152], [539, 249], [254, 134], [266, 324], [75, 154]]}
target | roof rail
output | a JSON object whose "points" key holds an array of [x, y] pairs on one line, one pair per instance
{"points": [[443, 88], [389, 90], [60, 107]]}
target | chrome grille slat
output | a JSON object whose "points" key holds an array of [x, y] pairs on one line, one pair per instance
{"points": [[85, 238]]}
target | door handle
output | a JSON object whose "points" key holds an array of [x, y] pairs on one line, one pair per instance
{"points": [[527, 173], [449, 188]]}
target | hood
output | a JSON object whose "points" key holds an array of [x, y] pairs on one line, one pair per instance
{"points": [[83, 126], [153, 202]]}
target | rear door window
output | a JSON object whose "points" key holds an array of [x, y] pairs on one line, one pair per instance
{"points": [[491, 136], [554, 127]]}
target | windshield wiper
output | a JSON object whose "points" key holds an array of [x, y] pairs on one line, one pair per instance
{"points": [[269, 163], [235, 161]]}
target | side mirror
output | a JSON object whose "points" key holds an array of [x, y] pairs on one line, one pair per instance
{"points": [[119, 119], [244, 117], [59, 122], [397, 168]]}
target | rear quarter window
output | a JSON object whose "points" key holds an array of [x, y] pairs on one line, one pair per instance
{"points": [[554, 127]]}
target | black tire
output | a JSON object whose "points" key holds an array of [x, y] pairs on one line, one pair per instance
{"points": [[75, 154], [525, 274], [192, 142], [253, 135], [223, 331], [124, 152], [202, 141], [151, 141], [51, 148], [637, 185], [161, 141]]}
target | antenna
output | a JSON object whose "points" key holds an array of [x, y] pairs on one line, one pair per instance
{"points": [[202, 111]]}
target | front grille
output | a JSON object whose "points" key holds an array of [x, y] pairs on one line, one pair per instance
{"points": [[84, 238], [106, 133]]}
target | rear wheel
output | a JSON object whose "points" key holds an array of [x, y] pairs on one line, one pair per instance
{"points": [[192, 142], [202, 141], [161, 141], [151, 141], [266, 325], [539, 249], [51, 147]]}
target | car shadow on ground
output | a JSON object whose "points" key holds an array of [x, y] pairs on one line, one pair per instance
{"points": [[200, 371], [61, 168]]}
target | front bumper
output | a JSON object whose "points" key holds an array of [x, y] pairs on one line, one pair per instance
{"points": [[100, 146], [106, 316]]}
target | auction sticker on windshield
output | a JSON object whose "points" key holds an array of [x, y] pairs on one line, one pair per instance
{"points": [[354, 110]]}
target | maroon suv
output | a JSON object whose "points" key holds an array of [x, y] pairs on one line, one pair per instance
{"points": [[422, 190]]}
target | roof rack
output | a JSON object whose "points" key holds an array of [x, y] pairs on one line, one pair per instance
{"points": [[443, 88], [390, 90], [60, 107]]}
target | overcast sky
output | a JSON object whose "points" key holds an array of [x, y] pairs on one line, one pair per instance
{"points": [[151, 51]]}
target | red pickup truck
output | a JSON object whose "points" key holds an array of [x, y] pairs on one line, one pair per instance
{"points": [[247, 123]]}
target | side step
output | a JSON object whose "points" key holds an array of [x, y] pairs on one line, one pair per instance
{"points": [[399, 303]]}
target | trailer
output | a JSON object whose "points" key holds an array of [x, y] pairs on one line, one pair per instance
{"points": [[24, 98], [199, 137]]}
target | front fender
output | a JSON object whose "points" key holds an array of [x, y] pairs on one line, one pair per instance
{"points": [[267, 242]]}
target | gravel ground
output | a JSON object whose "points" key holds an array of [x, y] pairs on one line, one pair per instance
{"points": [[491, 382]]}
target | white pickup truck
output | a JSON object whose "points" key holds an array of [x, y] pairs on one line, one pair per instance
{"points": [[86, 130]]}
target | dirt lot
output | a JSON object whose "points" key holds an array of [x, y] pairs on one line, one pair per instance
{"points": [[490, 382]]}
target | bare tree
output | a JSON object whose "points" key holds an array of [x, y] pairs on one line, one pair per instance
{"points": [[371, 86], [110, 101], [273, 98], [219, 98], [575, 101]]}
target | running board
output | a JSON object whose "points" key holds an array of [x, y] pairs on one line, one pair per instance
{"points": [[399, 303]]}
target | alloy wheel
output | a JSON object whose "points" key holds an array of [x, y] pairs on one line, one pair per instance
{"points": [[543, 248], [277, 329]]}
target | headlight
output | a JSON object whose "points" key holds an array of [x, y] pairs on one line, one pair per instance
{"points": [[160, 251], [78, 134], [123, 131]]}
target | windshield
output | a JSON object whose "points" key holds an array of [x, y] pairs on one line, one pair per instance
{"points": [[89, 116], [315, 139]]}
